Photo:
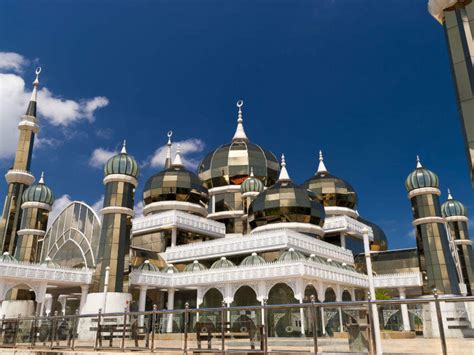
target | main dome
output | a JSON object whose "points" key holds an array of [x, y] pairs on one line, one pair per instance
{"points": [[230, 164]]}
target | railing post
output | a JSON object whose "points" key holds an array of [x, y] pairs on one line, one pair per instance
{"points": [[98, 333], [33, 331], [153, 325], [439, 315], [186, 321], [124, 329], [74, 329], [17, 326], [223, 313], [1, 327], [315, 323], [265, 327], [371, 325], [53, 328]]}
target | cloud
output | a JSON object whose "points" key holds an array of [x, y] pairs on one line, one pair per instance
{"points": [[10, 61], [412, 233], [100, 156], [189, 147], [97, 206], [138, 209], [59, 204]]}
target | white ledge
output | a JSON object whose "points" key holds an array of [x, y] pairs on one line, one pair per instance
{"points": [[226, 214], [463, 242], [456, 219], [117, 209], [222, 189], [402, 279], [120, 178], [32, 204], [340, 211], [431, 219], [348, 225], [162, 206], [296, 226], [38, 232], [19, 176], [424, 191]]}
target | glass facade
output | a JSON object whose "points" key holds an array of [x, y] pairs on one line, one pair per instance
{"points": [[459, 231]]}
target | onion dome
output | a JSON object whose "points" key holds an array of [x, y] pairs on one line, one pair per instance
{"points": [[175, 184], [380, 242], [48, 262], [170, 269], [7, 258], [253, 259], [291, 255], [421, 177], [147, 266], [195, 266], [453, 207], [122, 163], [230, 163], [285, 202], [222, 263], [39, 193], [251, 184], [330, 190]]}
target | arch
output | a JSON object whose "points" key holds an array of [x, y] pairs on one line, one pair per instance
{"points": [[245, 322], [245, 296], [309, 291], [330, 295], [212, 298], [69, 260], [346, 296], [283, 322]]}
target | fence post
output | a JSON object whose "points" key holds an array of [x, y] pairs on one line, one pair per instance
{"points": [[74, 329], [223, 316], [124, 329], [439, 315], [17, 326], [265, 327], [153, 326], [186, 324], [98, 333], [371, 325], [53, 328], [33, 331], [315, 323]]}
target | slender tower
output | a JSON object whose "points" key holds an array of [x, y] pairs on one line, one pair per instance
{"points": [[19, 177], [37, 202], [120, 181], [455, 215], [435, 258]]}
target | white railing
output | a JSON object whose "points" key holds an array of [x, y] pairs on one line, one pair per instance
{"points": [[402, 279], [179, 219], [348, 225], [258, 242], [37, 272], [280, 270]]}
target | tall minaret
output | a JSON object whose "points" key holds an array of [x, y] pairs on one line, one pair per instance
{"points": [[434, 254], [455, 215], [37, 202], [19, 177], [121, 172]]}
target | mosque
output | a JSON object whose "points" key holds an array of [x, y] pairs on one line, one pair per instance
{"points": [[238, 231]]}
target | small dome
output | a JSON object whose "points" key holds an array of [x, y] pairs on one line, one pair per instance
{"points": [[251, 184], [253, 259], [7, 258], [380, 242], [222, 263], [147, 266], [170, 269], [330, 190], [175, 184], [48, 262], [122, 163], [421, 177], [453, 207], [39, 193], [195, 266], [291, 255]]}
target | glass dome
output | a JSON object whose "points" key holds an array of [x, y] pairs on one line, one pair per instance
{"points": [[147, 266], [169, 269], [222, 263], [195, 266], [122, 163], [253, 259], [291, 255], [453, 207], [39, 193], [421, 177]]}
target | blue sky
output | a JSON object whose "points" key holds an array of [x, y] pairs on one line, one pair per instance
{"points": [[368, 84]]}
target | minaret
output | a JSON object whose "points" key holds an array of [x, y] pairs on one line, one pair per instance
{"points": [[19, 177], [250, 189], [121, 172], [434, 254], [37, 202], [455, 215]]}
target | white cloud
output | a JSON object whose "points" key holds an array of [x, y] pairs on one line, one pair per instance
{"points": [[97, 206], [138, 209], [12, 62], [188, 147], [412, 233], [100, 156], [59, 204]]}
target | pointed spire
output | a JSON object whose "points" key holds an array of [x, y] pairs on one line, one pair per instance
{"points": [[124, 147], [450, 197], [41, 180], [168, 161], [31, 110], [251, 172], [321, 166], [283, 172], [177, 159], [240, 132], [418, 162]]}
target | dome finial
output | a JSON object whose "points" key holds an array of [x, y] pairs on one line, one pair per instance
{"points": [[240, 132], [418, 162], [168, 154], [41, 180], [283, 172], [34, 93], [124, 147], [321, 166], [177, 159], [450, 197], [251, 171]]}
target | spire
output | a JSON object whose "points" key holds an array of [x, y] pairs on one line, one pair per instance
{"points": [[168, 153], [41, 180], [124, 147], [321, 166], [31, 110], [283, 172], [177, 159], [240, 132], [251, 172], [450, 197], [418, 162]]}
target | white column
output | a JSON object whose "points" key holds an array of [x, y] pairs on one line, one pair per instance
{"points": [[63, 299], [106, 287], [48, 303], [84, 292], [323, 325], [174, 232], [141, 304], [404, 309], [262, 302], [302, 319], [170, 306], [341, 328], [370, 276]]}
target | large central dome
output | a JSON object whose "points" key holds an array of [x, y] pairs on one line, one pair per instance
{"points": [[230, 163]]}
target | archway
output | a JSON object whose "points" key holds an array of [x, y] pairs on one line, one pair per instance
{"points": [[346, 311], [19, 300], [283, 322], [245, 321], [331, 315], [309, 291], [212, 299]]}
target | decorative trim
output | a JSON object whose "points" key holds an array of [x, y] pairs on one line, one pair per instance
{"points": [[396, 280], [222, 189], [118, 209], [338, 211], [38, 232], [19, 176], [431, 219], [120, 178], [424, 191], [296, 226], [40, 205], [456, 219], [463, 242], [226, 214], [163, 206], [348, 225]]}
